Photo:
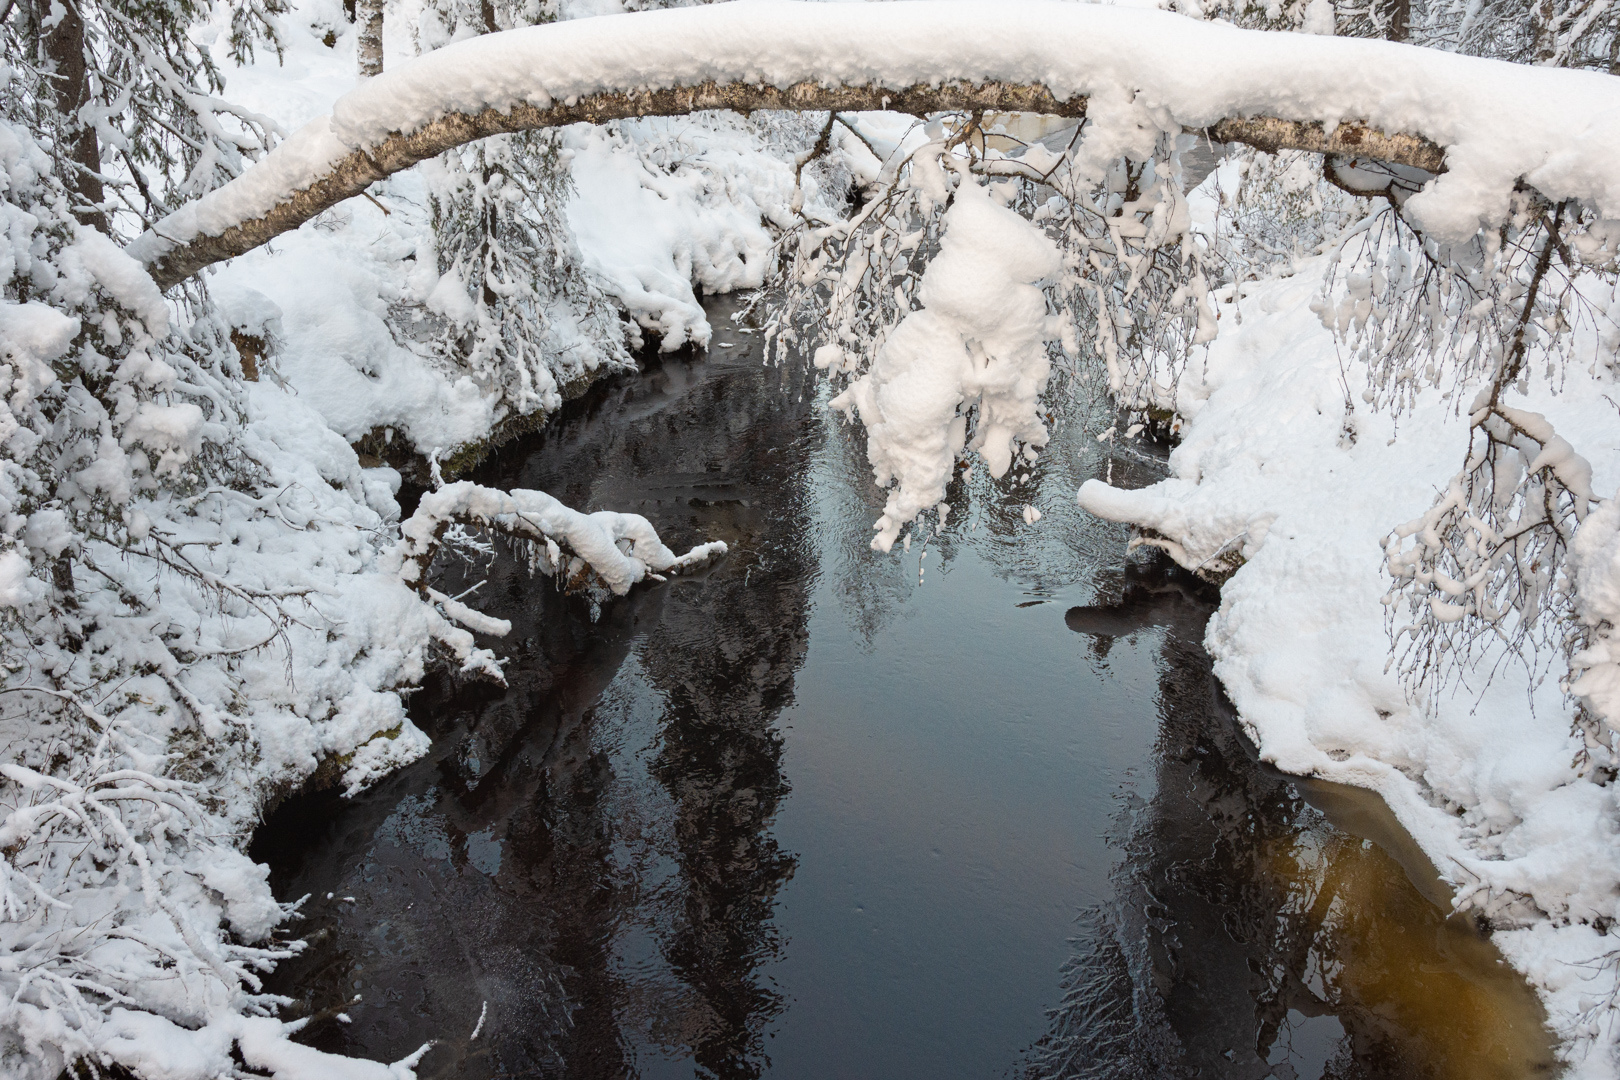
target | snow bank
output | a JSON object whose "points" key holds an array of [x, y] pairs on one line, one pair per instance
{"points": [[335, 290], [662, 204], [1276, 479], [203, 602], [349, 303]]}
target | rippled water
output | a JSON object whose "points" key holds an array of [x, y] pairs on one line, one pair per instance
{"points": [[973, 810]]}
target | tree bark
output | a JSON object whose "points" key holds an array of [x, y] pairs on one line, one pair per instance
{"points": [[1546, 29], [369, 23], [64, 49], [1397, 19], [355, 172]]}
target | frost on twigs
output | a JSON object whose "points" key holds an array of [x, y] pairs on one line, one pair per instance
{"points": [[119, 850], [945, 299], [975, 349], [512, 304], [194, 614], [1511, 302], [1484, 574], [605, 551], [1484, 566]]}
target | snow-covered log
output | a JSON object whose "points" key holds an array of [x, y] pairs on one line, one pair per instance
{"points": [[620, 549], [1135, 74]]}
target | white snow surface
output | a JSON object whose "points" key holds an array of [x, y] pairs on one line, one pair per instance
{"points": [[312, 531], [1482, 775], [979, 340], [1483, 782], [652, 233], [660, 208], [1146, 72]]}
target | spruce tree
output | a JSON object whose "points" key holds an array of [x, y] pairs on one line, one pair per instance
{"points": [[128, 105], [514, 305]]}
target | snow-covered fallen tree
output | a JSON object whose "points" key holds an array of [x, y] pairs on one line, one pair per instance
{"points": [[1136, 73]]}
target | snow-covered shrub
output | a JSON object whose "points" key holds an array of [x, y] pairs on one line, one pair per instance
{"points": [[976, 347], [1128, 271], [515, 307], [203, 597], [1482, 575]]}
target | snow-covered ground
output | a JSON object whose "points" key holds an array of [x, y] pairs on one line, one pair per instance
{"points": [[1272, 467], [661, 208]]}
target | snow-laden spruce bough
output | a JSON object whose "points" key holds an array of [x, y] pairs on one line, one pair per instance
{"points": [[207, 597]]}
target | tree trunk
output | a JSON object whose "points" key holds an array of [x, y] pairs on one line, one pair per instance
{"points": [[370, 22], [1546, 26], [64, 49], [1397, 19], [352, 174]]}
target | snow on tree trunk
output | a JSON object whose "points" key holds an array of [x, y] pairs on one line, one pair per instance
{"points": [[369, 19], [620, 549]]}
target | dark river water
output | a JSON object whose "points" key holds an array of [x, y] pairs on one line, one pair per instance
{"points": [[977, 809]]}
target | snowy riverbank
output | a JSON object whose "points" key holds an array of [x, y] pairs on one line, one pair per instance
{"points": [[659, 209], [208, 593], [1271, 468]]}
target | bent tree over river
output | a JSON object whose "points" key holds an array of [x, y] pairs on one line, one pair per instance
{"points": [[977, 808], [784, 807]]}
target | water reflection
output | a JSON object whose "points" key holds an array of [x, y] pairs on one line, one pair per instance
{"points": [[592, 910], [822, 812], [1256, 928]]}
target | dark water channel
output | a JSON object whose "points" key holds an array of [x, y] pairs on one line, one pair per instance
{"points": [[973, 810]]}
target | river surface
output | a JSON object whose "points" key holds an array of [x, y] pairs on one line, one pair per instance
{"points": [[977, 809]]}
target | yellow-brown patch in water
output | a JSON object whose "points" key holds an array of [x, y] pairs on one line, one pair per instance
{"points": [[1403, 978]]}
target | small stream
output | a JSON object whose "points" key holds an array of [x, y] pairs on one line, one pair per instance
{"points": [[977, 810]]}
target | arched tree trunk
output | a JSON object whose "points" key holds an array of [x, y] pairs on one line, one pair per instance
{"points": [[1152, 71], [362, 168]]}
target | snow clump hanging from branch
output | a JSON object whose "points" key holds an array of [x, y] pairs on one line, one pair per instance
{"points": [[974, 354]]}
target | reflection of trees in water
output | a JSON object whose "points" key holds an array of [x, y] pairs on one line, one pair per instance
{"points": [[870, 586], [1066, 546], [516, 864], [720, 761], [1239, 913], [724, 658], [986, 514], [483, 875], [720, 457]]}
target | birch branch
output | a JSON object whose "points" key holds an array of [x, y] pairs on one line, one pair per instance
{"points": [[353, 174]]}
